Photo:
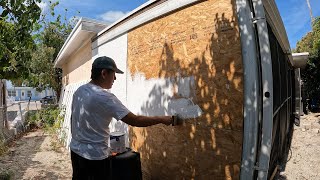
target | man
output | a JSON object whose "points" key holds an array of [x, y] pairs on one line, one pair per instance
{"points": [[92, 110]]}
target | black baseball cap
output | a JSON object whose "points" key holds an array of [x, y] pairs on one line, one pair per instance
{"points": [[106, 63]]}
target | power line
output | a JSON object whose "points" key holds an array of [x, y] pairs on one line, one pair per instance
{"points": [[310, 10]]}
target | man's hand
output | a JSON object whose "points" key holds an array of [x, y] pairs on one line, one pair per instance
{"points": [[167, 120]]}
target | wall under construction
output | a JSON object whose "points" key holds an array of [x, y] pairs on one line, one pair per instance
{"points": [[198, 48]]}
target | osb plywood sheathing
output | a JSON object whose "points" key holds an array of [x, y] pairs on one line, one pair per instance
{"points": [[201, 41]]}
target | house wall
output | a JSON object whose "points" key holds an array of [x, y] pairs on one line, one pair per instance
{"points": [[78, 67], [188, 62], [117, 50], [75, 72], [35, 95]]}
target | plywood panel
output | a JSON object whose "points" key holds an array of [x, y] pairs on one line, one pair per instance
{"points": [[202, 42]]}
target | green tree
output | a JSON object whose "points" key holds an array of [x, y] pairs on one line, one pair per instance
{"points": [[42, 73], [311, 74], [49, 35], [17, 20], [316, 42]]}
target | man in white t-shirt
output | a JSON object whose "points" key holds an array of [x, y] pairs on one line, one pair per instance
{"points": [[92, 110]]}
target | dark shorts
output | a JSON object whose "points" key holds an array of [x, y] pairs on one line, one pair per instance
{"points": [[84, 169]]}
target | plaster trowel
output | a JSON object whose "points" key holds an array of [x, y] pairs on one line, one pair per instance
{"points": [[183, 109], [177, 120]]}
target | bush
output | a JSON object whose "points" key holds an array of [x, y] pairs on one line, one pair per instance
{"points": [[48, 117]]}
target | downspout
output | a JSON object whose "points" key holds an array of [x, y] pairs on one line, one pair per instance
{"points": [[251, 88], [267, 90]]}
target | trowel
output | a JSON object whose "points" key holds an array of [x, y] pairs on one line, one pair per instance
{"points": [[177, 120]]}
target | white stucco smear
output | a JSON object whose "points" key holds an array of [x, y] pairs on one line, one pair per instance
{"points": [[163, 96], [185, 108], [117, 50]]}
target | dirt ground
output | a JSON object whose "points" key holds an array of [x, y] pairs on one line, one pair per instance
{"points": [[304, 163], [37, 156]]}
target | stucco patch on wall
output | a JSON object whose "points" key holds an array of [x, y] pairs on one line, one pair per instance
{"points": [[117, 50], [200, 42], [163, 96]]}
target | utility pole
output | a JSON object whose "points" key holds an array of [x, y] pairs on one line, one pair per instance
{"points": [[310, 10]]}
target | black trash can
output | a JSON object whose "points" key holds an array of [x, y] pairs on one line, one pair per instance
{"points": [[126, 166]]}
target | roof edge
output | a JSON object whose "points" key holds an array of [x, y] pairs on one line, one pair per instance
{"points": [[77, 28], [276, 23], [56, 61]]}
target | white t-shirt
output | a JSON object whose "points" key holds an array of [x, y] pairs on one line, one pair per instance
{"points": [[92, 110]]}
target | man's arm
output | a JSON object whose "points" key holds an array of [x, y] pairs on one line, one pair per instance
{"points": [[144, 121]]}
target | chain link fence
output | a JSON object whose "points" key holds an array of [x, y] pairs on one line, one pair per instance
{"points": [[12, 118]]}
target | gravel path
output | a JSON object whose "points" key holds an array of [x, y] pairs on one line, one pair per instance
{"points": [[304, 163], [37, 156]]}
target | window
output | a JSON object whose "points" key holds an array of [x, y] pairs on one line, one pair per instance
{"points": [[275, 72], [22, 93], [37, 93], [11, 93], [283, 103], [29, 94]]}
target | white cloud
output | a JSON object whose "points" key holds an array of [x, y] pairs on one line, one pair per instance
{"points": [[112, 16], [43, 6], [297, 21], [296, 18]]}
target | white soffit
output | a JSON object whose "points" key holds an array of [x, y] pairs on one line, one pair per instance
{"points": [[84, 30], [163, 8], [276, 23]]}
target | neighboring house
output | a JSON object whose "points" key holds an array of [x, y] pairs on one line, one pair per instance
{"points": [[24, 93], [226, 66]]}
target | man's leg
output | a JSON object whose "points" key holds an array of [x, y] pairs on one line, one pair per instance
{"points": [[84, 169], [99, 169], [79, 167]]}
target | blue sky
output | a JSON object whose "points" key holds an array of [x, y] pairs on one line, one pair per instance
{"points": [[295, 13], [296, 17]]}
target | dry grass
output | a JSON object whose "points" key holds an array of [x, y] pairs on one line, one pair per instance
{"points": [[3, 149], [6, 175]]}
